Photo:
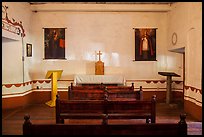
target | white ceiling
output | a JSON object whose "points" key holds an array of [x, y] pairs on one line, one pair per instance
{"points": [[38, 3], [99, 6]]}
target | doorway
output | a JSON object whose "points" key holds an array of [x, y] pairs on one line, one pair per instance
{"points": [[182, 51]]}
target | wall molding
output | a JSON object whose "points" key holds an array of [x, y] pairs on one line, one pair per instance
{"points": [[190, 99], [11, 25], [26, 83], [192, 89], [53, 7], [64, 89], [71, 80]]}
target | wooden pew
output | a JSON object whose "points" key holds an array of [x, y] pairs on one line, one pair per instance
{"points": [[96, 92], [132, 109], [126, 88], [79, 109], [86, 92], [123, 93], [85, 87], [101, 86], [164, 129], [97, 109]]}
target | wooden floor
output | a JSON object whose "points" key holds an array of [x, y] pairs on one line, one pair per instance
{"points": [[12, 120]]}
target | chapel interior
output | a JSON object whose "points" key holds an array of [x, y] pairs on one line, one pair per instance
{"points": [[156, 46]]}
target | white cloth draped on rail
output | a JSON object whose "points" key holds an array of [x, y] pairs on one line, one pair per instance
{"points": [[98, 79]]}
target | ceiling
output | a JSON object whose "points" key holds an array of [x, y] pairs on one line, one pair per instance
{"points": [[38, 3], [97, 6]]}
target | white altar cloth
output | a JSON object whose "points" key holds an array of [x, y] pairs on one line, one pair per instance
{"points": [[98, 79]]}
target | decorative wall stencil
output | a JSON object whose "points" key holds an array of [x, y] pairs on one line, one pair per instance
{"points": [[25, 83], [145, 44], [193, 88], [29, 50], [54, 43], [11, 26]]}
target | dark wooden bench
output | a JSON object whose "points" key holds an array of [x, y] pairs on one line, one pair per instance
{"points": [[79, 109], [114, 109], [97, 92], [86, 92], [164, 129], [126, 88], [132, 109], [123, 93], [86, 87], [100, 86]]}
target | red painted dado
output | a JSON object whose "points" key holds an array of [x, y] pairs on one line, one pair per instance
{"points": [[161, 96], [41, 96], [31, 98], [15, 102], [193, 109]]}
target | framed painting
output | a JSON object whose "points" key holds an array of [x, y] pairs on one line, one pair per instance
{"points": [[145, 44], [54, 43], [29, 50]]}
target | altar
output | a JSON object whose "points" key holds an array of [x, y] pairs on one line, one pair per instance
{"points": [[80, 79]]}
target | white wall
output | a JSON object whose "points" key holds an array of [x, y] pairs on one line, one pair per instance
{"points": [[110, 32], [188, 26], [87, 33], [15, 47]]}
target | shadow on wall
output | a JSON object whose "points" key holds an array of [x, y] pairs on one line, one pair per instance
{"points": [[90, 68], [41, 75]]}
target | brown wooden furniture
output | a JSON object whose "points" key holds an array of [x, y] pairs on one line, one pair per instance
{"points": [[100, 86], [99, 66], [123, 94], [168, 85], [179, 128], [114, 109], [79, 109], [127, 88], [95, 92], [86, 94]]}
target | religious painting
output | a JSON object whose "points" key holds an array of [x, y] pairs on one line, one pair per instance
{"points": [[54, 43], [145, 44], [29, 50]]}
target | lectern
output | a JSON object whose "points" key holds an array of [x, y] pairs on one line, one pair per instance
{"points": [[54, 75], [168, 85]]}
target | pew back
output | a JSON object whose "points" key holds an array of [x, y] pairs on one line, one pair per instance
{"points": [[97, 92], [86, 94], [78, 109], [179, 128], [81, 106], [115, 106], [114, 109], [101, 86]]}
